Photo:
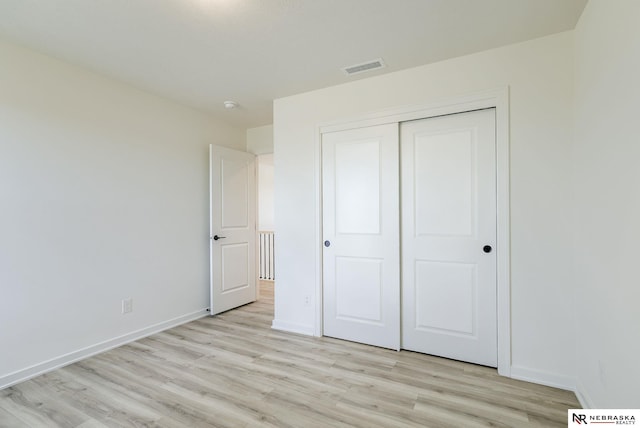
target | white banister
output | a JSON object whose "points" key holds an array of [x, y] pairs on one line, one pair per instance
{"points": [[266, 267]]}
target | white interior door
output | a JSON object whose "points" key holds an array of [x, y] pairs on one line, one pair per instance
{"points": [[361, 290], [449, 235], [233, 228]]}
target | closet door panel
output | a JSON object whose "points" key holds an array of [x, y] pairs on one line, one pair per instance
{"points": [[448, 172], [361, 276]]}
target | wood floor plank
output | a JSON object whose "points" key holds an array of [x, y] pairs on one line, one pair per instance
{"points": [[233, 370], [92, 423], [7, 419]]}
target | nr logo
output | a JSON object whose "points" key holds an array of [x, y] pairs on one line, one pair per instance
{"points": [[579, 419]]}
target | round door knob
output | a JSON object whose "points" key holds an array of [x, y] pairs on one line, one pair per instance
{"points": [[327, 243], [487, 248]]}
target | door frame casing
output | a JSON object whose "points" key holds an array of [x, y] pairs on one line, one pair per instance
{"points": [[495, 98]]}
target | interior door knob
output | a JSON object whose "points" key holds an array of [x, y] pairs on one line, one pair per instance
{"points": [[327, 243], [487, 248], [216, 237]]}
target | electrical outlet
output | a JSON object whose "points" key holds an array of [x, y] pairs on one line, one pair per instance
{"points": [[127, 305], [307, 300]]}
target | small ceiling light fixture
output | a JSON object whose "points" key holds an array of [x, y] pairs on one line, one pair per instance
{"points": [[230, 105]]}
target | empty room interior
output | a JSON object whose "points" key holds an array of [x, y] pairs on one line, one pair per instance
{"points": [[311, 213]]}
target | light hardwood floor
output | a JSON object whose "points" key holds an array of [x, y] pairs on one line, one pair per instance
{"points": [[233, 370]]}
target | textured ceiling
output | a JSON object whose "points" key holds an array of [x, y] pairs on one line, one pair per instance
{"points": [[203, 52]]}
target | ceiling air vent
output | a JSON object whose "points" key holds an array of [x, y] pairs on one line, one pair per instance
{"points": [[366, 66]]}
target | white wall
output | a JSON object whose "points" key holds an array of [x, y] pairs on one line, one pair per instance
{"points": [[539, 74], [265, 193], [607, 211], [103, 196], [260, 140]]}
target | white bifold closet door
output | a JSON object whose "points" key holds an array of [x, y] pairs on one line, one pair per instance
{"points": [[361, 259], [448, 175]]}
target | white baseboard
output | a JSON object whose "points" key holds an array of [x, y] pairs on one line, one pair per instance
{"points": [[543, 378], [72, 357], [585, 401], [293, 327]]}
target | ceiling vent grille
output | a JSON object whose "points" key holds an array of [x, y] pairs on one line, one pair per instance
{"points": [[364, 67]]}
